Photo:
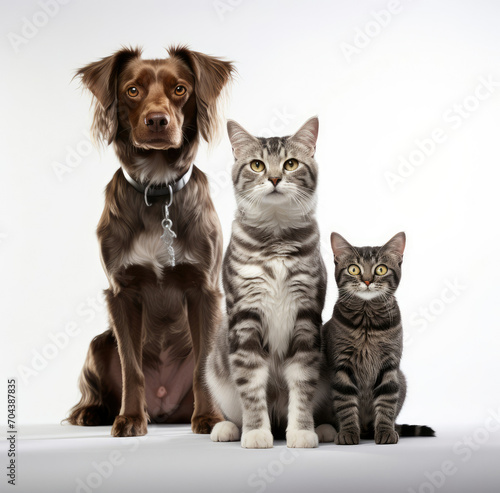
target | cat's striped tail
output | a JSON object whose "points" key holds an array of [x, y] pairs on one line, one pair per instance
{"points": [[415, 431]]}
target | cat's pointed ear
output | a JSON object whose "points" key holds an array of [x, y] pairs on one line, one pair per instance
{"points": [[340, 245], [396, 244], [239, 137], [307, 135]]}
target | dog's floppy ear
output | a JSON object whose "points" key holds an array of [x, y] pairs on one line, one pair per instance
{"points": [[101, 78], [211, 74]]}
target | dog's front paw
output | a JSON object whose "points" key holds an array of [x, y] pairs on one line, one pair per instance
{"points": [[129, 426], [326, 433], [204, 423], [386, 437], [225, 431], [347, 438], [301, 439], [259, 438]]}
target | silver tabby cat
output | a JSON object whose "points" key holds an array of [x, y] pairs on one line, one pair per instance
{"points": [[363, 343], [264, 368]]}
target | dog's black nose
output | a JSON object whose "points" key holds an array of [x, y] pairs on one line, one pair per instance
{"points": [[156, 122]]}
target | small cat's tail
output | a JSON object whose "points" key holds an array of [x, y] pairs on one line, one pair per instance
{"points": [[415, 431]]}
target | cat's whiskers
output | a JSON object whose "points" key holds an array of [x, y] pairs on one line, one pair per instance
{"points": [[301, 199], [308, 198], [386, 298], [299, 204], [345, 298], [251, 197]]}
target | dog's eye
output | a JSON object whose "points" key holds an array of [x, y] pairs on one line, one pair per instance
{"points": [[180, 91], [133, 92], [291, 164]]}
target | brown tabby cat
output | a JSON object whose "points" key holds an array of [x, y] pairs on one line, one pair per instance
{"points": [[363, 343]]}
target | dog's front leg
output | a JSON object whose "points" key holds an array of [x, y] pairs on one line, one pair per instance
{"points": [[125, 311], [204, 316]]}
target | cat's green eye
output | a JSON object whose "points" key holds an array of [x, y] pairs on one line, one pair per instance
{"points": [[257, 166], [381, 270], [291, 164], [354, 270]]}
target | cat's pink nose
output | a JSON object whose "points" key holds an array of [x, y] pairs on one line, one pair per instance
{"points": [[275, 180], [367, 283]]}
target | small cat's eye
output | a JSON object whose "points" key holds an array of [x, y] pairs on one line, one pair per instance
{"points": [[381, 270], [354, 270], [291, 164], [133, 92], [257, 166], [180, 91]]}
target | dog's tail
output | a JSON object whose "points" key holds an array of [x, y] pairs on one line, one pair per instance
{"points": [[97, 406], [415, 431]]}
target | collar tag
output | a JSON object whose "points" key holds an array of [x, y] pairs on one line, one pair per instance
{"points": [[168, 234]]}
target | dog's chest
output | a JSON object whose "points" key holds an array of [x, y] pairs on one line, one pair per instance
{"points": [[148, 249]]}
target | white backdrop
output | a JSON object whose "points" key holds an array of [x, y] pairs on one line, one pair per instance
{"points": [[408, 97]]}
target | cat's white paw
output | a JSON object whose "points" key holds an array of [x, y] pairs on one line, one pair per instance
{"points": [[301, 439], [326, 433], [257, 439], [225, 431]]}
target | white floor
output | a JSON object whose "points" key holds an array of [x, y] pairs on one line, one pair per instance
{"points": [[53, 459]]}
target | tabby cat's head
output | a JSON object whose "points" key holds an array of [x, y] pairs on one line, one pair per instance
{"points": [[367, 272], [277, 174]]}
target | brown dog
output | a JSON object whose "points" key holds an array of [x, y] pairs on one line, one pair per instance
{"points": [[164, 297]]}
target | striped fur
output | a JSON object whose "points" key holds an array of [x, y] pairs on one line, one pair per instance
{"points": [[264, 368], [363, 343]]}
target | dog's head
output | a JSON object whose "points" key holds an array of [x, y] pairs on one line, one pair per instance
{"points": [[156, 104]]}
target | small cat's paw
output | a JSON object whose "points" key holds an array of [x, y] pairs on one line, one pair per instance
{"points": [[257, 439], [225, 431], [385, 437], [301, 439], [326, 433], [347, 438]]}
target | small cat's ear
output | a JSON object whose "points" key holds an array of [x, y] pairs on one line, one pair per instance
{"points": [[238, 137], [308, 134], [340, 245], [396, 244]]}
